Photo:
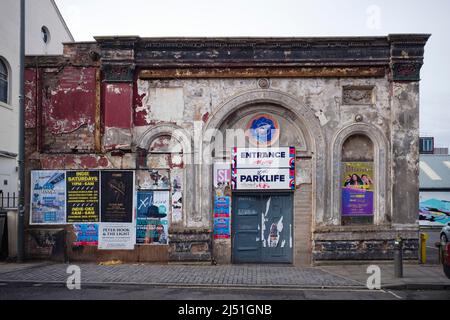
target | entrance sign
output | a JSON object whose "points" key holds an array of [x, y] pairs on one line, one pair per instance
{"points": [[263, 157], [48, 197], [273, 179], [263, 168]]}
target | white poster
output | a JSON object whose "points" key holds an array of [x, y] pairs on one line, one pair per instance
{"points": [[282, 157], [222, 174], [116, 236], [270, 179], [177, 195]]}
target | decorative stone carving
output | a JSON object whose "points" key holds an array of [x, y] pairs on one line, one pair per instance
{"points": [[264, 83], [409, 71], [357, 95], [118, 73]]}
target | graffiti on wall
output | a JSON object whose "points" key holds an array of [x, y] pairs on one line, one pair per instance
{"points": [[434, 208]]}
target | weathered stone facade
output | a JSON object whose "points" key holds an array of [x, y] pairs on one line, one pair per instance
{"points": [[105, 104]]}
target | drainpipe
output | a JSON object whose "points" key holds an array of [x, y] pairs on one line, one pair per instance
{"points": [[21, 181]]}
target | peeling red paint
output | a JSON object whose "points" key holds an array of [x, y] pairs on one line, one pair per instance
{"points": [[205, 117], [176, 165], [103, 162], [118, 105], [30, 98], [58, 162], [139, 118], [69, 102], [74, 162], [88, 162]]}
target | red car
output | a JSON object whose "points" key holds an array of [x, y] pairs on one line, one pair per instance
{"points": [[446, 259]]}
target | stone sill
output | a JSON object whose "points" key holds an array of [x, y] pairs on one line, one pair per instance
{"points": [[186, 230], [363, 228]]}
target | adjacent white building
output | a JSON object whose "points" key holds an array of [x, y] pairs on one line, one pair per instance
{"points": [[45, 33]]}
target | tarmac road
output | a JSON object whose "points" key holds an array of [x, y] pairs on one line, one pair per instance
{"points": [[28, 291]]}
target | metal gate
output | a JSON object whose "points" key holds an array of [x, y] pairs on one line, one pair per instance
{"points": [[262, 228]]}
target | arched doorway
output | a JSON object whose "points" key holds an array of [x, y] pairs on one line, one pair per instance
{"points": [[280, 219]]}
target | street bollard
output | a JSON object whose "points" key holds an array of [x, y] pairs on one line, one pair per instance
{"points": [[440, 246], [423, 247], [398, 258]]}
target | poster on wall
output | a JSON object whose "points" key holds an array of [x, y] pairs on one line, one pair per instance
{"points": [[48, 197], [222, 217], [264, 179], [152, 223], [434, 208], [357, 188], [83, 196], [177, 195], [153, 179], [263, 168], [221, 174], [116, 236], [117, 196], [86, 234], [282, 157]]}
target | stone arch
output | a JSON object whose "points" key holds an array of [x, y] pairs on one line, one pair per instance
{"points": [[306, 118], [181, 136], [381, 147], [176, 132]]}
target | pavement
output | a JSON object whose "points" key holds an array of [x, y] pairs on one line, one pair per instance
{"points": [[351, 276]]}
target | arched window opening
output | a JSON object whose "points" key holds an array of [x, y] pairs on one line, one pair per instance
{"points": [[357, 180], [3, 82], [45, 34], [159, 180]]}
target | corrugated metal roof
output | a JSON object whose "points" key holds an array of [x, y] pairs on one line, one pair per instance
{"points": [[434, 171]]}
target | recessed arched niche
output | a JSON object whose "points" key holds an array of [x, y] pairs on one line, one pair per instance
{"points": [[357, 180]]}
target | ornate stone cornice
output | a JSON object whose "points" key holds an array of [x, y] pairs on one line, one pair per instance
{"points": [[398, 55], [407, 56]]}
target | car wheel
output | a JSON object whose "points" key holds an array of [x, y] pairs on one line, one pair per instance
{"points": [[447, 270], [444, 238]]}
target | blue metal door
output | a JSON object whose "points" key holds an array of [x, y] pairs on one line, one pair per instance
{"points": [[262, 228]]}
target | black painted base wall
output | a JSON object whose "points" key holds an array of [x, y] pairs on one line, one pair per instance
{"points": [[363, 250], [190, 245]]}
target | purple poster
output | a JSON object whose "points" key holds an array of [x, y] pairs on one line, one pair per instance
{"points": [[357, 189]]}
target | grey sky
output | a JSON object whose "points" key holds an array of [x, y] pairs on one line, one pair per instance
{"points": [[147, 18]]}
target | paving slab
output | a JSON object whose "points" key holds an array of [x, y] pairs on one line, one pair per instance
{"points": [[226, 275]]}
